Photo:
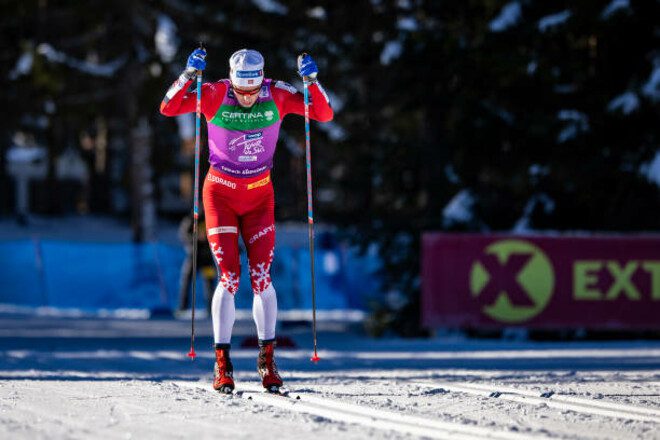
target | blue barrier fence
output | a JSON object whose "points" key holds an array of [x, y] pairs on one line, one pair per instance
{"points": [[92, 276]]}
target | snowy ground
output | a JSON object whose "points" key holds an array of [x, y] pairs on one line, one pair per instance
{"points": [[112, 378]]}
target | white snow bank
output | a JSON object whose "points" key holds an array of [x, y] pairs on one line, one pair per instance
{"points": [[550, 21], [626, 103], [509, 16], [73, 312], [614, 7]]}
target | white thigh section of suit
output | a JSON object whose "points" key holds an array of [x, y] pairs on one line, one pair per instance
{"points": [[223, 313], [264, 312]]}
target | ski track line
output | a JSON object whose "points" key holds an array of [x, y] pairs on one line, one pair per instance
{"points": [[380, 419], [583, 405], [581, 401]]}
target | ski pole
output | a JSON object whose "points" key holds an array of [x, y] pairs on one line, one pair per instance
{"points": [[198, 111], [310, 212]]}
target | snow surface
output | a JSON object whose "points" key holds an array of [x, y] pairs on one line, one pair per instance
{"points": [[112, 378]]}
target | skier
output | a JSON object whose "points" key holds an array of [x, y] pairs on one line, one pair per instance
{"points": [[243, 114]]}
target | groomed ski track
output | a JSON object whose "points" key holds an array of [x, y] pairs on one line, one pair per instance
{"points": [[550, 399], [342, 411], [71, 378]]}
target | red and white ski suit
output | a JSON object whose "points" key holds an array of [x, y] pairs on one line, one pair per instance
{"points": [[234, 204]]}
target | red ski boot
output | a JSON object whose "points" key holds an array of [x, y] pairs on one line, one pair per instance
{"points": [[223, 380], [266, 367]]}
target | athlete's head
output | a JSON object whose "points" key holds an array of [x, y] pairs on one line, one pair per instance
{"points": [[246, 73]]}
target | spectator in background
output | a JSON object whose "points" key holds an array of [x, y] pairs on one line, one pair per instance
{"points": [[205, 264], [72, 173]]}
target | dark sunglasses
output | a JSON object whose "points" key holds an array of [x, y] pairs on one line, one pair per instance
{"points": [[247, 92]]}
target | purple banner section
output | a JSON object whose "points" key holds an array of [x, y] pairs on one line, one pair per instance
{"points": [[542, 282]]}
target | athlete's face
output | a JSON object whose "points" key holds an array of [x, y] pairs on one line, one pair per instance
{"points": [[247, 97]]}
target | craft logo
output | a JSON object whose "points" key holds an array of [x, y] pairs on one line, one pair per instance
{"points": [[514, 279], [261, 233]]}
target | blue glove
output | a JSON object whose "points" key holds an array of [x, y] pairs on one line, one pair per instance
{"points": [[197, 60], [307, 67]]}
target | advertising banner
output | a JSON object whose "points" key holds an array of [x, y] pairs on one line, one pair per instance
{"points": [[494, 281]]}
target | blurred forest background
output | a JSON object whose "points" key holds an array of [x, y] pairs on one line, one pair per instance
{"points": [[475, 115]]}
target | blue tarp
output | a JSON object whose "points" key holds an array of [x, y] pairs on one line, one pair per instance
{"points": [[95, 276]]}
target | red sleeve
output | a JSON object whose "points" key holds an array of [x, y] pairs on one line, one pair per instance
{"points": [[178, 100], [289, 100]]}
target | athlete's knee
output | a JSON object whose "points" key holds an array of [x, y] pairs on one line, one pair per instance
{"points": [[222, 294], [229, 280], [268, 293]]}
